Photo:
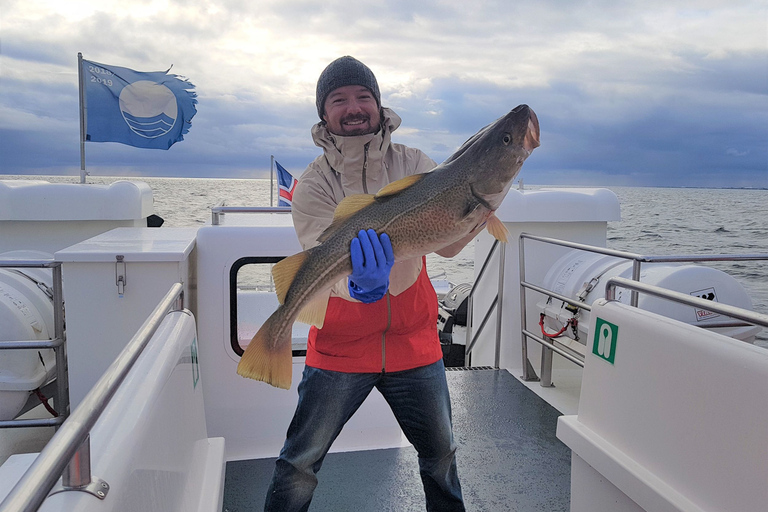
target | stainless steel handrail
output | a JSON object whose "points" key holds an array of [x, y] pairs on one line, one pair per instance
{"points": [[751, 317], [57, 343], [218, 211], [637, 261], [66, 454]]}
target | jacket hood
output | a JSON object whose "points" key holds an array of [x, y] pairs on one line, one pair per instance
{"points": [[347, 154]]}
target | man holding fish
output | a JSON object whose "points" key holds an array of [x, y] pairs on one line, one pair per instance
{"points": [[366, 212], [380, 325]]}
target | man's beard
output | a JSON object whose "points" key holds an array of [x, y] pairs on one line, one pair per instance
{"points": [[363, 128]]}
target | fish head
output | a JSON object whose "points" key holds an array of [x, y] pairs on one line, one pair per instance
{"points": [[493, 157]]}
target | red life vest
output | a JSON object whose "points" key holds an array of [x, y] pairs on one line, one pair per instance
{"points": [[396, 333]]}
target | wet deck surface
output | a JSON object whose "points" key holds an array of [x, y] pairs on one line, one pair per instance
{"points": [[508, 459]]}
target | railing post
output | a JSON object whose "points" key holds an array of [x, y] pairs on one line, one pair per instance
{"points": [[633, 297], [500, 303], [468, 339], [62, 374], [546, 367], [529, 374], [77, 474], [179, 304]]}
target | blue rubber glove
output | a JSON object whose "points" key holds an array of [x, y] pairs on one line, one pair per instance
{"points": [[372, 259]]}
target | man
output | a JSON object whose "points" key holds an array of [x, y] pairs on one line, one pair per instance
{"points": [[380, 328]]}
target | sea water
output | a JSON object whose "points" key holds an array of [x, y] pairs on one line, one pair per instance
{"points": [[654, 221]]}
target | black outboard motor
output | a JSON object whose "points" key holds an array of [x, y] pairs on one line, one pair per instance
{"points": [[452, 313]]}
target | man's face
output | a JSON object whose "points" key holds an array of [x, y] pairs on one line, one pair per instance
{"points": [[351, 110]]}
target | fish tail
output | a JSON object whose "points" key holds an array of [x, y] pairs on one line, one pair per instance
{"points": [[268, 356]]}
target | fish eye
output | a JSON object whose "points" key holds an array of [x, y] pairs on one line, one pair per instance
{"points": [[507, 139]]}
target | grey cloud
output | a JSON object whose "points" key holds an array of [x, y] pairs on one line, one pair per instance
{"points": [[619, 98]]}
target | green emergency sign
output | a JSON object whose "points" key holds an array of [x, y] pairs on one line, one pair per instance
{"points": [[606, 336]]}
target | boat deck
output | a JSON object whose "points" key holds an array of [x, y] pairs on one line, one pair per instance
{"points": [[508, 459]]}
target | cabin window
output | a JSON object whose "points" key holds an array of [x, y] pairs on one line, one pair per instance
{"points": [[252, 299]]}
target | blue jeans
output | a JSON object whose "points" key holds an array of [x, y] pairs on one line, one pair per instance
{"points": [[421, 404]]}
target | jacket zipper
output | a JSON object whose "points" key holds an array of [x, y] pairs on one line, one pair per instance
{"points": [[365, 167], [389, 307], [384, 336]]}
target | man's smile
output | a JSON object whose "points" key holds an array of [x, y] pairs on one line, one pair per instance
{"points": [[355, 121]]}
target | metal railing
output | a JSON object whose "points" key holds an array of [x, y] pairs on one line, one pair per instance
{"points": [[751, 317], [496, 304], [218, 211], [57, 343], [67, 454], [637, 260]]}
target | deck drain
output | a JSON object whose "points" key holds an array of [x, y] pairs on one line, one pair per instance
{"points": [[468, 368]]}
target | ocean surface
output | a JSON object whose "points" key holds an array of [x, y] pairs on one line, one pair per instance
{"points": [[654, 221]]}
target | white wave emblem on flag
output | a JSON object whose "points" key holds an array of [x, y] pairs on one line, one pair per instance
{"points": [[149, 108]]}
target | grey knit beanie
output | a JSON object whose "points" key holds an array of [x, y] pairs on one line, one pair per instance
{"points": [[345, 71]]}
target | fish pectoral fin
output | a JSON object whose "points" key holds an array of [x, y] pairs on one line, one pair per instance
{"points": [[284, 272], [348, 206], [497, 228], [400, 185], [314, 311]]}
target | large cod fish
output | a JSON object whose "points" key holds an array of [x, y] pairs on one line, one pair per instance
{"points": [[421, 214]]}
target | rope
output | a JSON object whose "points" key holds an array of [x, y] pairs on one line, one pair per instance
{"points": [[571, 322], [44, 401]]}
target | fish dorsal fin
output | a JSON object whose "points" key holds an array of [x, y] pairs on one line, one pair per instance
{"points": [[284, 272], [399, 185], [348, 206], [314, 312], [497, 228]]}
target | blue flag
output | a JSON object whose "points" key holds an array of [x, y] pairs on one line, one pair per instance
{"points": [[286, 184], [145, 110]]}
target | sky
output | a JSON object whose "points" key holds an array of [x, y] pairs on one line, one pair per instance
{"points": [[636, 93]]}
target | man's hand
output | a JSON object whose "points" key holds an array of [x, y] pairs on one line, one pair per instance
{"points": [[372, 259]]}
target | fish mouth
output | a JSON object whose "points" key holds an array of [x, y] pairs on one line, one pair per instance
{"points": [[532, 136]]}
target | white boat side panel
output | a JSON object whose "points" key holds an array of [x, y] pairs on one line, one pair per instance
{"points": [[608, 499], [12, 470], [627, 483], [560, 205], [205, 486], [251, 415], [51, 216], [151, 443], [28, 200], [261, 219], [686, 405]]}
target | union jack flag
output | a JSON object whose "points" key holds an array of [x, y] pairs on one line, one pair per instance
{"points": [[287, 184]]}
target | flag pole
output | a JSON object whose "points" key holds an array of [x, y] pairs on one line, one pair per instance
{"points": [[271, 179], [83, 172]]}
